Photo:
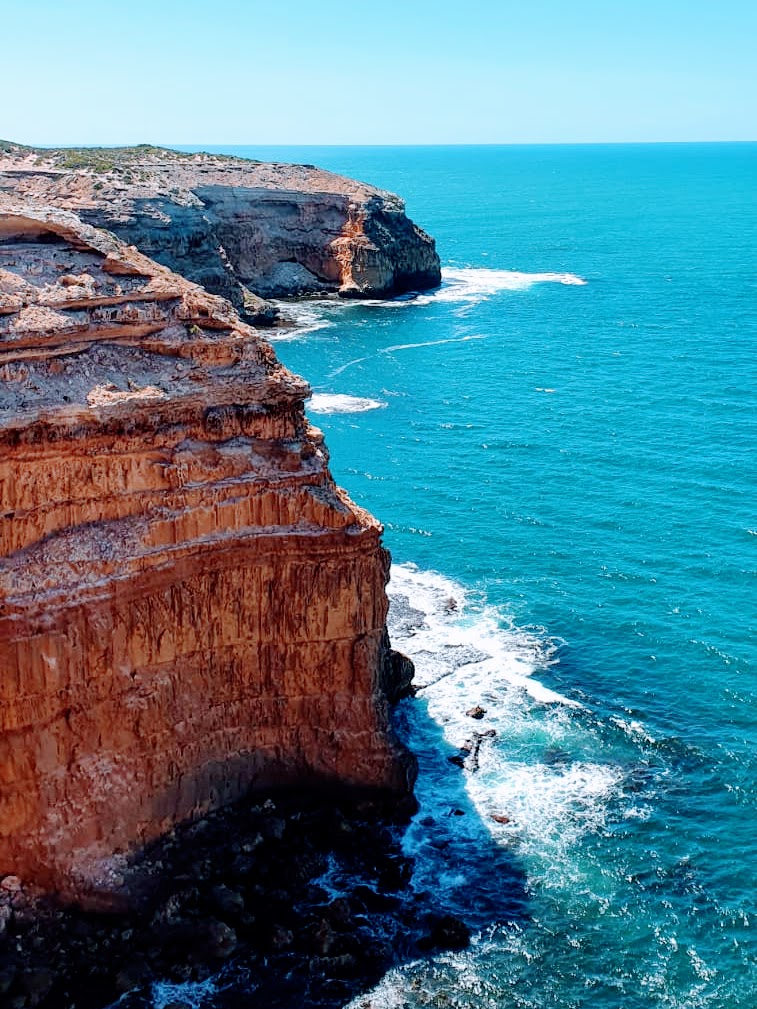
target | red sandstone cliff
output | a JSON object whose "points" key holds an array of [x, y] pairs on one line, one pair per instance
{"points": [[188, 605], [236, 226]]}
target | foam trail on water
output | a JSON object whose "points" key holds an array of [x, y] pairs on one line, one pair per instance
{"points": [[326, 402], [430, 343], [348, 364]]}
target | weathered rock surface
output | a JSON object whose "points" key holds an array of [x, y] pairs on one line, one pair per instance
{"points": [[242, 229], [188, 605]]}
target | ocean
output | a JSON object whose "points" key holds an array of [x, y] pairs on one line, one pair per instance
{"points": [[560, 444]]}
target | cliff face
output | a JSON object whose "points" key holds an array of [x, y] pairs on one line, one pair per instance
{"points": [[188, 605], [240, 228]]}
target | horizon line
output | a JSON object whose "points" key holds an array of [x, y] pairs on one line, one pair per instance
{"points": [[268, 143]]}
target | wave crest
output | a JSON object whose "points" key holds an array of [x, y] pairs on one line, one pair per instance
{"points": [[327, 402]]}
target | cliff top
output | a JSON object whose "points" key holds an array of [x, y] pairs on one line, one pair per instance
{"points": [[84, 176], [135, 330]]}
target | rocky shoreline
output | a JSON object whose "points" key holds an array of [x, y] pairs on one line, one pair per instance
{"points": [[286, 899], [246, 230], [301, 898]]}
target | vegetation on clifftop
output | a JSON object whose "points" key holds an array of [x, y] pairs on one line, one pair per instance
{"points": [[106, 159]]}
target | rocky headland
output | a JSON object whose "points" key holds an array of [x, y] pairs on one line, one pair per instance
{"points": [[189, 606], [196, 676], [245, 230]]}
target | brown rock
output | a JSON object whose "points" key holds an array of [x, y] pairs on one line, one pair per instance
{"points": [[188, 605], [478, 712], [235, 226], [220, 938]]}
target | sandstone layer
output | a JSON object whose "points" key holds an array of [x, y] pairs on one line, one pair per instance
{"points": [[189, 606], [245, 230]]}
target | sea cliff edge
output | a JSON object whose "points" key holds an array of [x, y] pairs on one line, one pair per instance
{"points": [[246, 230], [189, 606]]}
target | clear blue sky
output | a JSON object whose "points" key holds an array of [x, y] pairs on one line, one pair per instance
{"points": [[397, 71]]}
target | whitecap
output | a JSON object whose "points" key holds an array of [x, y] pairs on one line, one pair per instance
{"points": [[474, 284], [326, 402]]}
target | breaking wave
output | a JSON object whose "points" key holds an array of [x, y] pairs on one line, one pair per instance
{"points": [[304, 317], [526, 756], [474, 284], [462, 285], [326, 402]]}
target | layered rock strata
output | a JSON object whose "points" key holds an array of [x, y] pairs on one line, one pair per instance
{"points": [[242, 229], [189, 606]]}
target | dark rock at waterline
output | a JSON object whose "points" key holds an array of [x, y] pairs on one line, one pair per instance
{"points": [[372, 900], [242, 884], [227, 902], [397, 675], [445, 932], [478, 712]]}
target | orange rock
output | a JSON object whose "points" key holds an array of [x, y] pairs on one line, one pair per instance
{"points": [[234, 225], [189, 606]]}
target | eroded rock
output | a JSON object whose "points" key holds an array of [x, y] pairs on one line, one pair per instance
{"points": [[243, 229], [189, 606]]}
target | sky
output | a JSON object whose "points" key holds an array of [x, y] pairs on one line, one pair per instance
{"points": [[382, 72]]}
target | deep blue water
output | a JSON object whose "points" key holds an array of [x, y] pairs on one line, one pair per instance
{"points": [[574, 463]]}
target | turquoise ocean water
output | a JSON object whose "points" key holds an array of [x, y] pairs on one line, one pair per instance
{"points": [[562, 441]]}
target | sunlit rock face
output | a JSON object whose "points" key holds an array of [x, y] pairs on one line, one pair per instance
{"points": [[189, 606], [243, 229]]}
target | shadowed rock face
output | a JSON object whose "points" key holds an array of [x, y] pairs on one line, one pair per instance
{"points": [[189, 606], [245, 230]]}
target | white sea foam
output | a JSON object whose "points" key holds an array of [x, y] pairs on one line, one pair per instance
{"points": [[507, 655], [305, 317], [468, 653], [465, 286], [524, 773], [326, 402], [474, 284]]}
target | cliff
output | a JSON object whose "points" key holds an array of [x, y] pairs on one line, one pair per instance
{"points": [[245, 230], [189, 606]]}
